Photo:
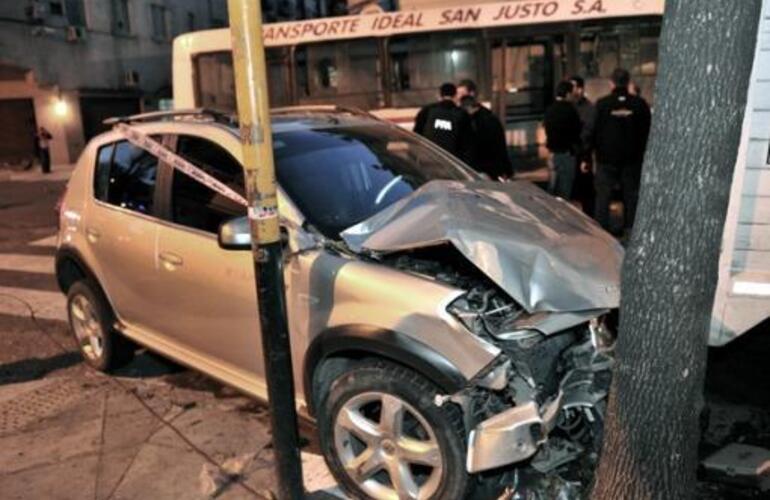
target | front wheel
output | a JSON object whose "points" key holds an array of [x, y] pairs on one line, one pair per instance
{"points": [[383, 437]]}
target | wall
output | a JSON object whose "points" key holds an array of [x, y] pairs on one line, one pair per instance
{"points": [[98, 62]]}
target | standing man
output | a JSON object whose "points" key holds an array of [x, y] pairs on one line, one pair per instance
{"points": [[584, 190], [445, 124], [43, 138], [490, 150], [620, 138], [562, 130]]}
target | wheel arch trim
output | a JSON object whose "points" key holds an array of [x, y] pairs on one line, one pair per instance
{"points": [[382, 342]]}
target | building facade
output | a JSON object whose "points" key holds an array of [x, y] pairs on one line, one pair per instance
{"points": [[67, 65]]}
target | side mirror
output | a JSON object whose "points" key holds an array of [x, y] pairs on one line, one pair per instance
{"points": [[235, 234]]}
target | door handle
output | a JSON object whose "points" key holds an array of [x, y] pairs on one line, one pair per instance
{"points": [[170, 260], [92, 234]]}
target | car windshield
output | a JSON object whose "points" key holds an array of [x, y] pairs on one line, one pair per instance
{"points": [[339, 176]]}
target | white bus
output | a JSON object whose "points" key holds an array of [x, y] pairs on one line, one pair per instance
{"points": [[393, 63]]}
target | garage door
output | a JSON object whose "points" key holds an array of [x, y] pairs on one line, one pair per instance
{"points": [[94, 110], [17, 130]]}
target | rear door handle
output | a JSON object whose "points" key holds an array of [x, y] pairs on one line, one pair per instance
{"points": [[170, 260], [92, 234]]}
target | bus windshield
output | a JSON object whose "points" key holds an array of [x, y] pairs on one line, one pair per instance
{"points": [[342, 175]]}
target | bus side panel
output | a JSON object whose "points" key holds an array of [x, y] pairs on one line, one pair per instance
{"points": [[743, 294]]}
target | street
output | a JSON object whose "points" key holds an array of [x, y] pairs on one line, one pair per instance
{"points": [[155, 430]]}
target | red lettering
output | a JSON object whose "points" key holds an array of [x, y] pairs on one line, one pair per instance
{"points": [[320, 29], [473, 15], [307, 29], [550, 8], [268, 35], [446, 17], [333, 26], [597, 7]]}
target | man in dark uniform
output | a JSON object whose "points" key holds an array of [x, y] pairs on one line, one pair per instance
{"points": [[489, 154], [584, 190], [562, 130], [445, 124], [620, 138]]}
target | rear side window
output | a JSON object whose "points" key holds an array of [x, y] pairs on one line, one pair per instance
{"points": [[125, 177], [195, 205]]}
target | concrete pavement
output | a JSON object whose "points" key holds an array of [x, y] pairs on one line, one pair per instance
{"points": [[68, 432]]}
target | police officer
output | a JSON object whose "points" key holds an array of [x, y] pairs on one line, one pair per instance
{"points": [[489, 151], [620, 138], [445, 124]]}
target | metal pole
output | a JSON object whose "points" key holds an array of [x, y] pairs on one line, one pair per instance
{"points": [[256, 138]]}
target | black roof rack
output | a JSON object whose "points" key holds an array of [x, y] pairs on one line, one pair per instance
{"points": [[218, 116]]}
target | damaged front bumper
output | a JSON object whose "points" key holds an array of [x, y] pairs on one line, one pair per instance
{"points": [[511, 436]]}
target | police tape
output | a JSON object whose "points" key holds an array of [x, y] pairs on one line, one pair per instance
{"points": [[142, 140]]}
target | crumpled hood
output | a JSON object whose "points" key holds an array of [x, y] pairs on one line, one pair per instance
{"points": [[542, 251]]}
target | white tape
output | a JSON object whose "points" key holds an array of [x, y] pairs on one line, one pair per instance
{"points": [[141, 140]]}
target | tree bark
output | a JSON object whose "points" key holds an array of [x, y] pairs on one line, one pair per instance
{"points": [[670, 272]]}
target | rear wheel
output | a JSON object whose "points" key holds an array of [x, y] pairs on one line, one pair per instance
{"points": [[91, 321], [384, 438]]}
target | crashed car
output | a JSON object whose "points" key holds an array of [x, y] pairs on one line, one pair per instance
{"points": [[447, 331]]}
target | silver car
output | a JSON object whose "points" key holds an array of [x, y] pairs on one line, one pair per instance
{"points": [[446, 330]]}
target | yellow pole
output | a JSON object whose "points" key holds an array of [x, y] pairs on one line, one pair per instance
{"points": [[267, 250]]}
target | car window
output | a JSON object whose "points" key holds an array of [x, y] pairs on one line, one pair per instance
{"points": [[192, 203], [125, 176], [341, 175]]}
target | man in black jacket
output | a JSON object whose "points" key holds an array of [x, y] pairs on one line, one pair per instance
{"points": [[584, 190], [445, 124], [489, 154], [562, 130], [619, 140]]}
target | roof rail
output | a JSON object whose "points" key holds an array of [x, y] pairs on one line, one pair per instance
{"points": [[321, 108], [218, 116]]}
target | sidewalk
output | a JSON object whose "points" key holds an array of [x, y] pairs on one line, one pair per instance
{"points": [[58, 173]]}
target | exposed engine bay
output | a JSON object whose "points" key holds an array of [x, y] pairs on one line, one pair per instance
{"points": [[565, 375]]}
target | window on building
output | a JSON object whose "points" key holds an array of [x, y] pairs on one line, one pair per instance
{"points": [[217, 13], [160, 22], [421, 63], [121, 22], [195, 205], [346, 71], [76, 14], [56, 8], [125, 177]]}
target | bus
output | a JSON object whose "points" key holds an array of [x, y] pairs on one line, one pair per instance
{"points": [[391, 64]]}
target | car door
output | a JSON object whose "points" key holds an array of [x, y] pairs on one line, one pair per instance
{"points": [[121, 228], [209, 293]]}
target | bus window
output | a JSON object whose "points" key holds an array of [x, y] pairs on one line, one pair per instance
{"points": [[345, 73], [215, 80], [633, 46], [421, 63]]}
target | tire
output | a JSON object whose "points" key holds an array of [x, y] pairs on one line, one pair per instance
{"points": [[91, 319], [437, 433]]}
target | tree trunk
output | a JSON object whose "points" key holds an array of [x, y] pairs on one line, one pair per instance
{"points": [[670, 271]]}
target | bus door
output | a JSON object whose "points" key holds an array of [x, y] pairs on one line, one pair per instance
{"points": [[522, 87]]}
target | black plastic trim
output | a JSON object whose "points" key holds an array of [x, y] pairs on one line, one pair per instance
{"points": [[384, 343]]}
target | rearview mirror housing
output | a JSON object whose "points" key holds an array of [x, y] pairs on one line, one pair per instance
{"points": [[235, 234]]}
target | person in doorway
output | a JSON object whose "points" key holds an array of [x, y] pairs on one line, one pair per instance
{"points": [[43, 139], [445, 124], [619, 140], [562, 130], [489, 152], [584, 182]]}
